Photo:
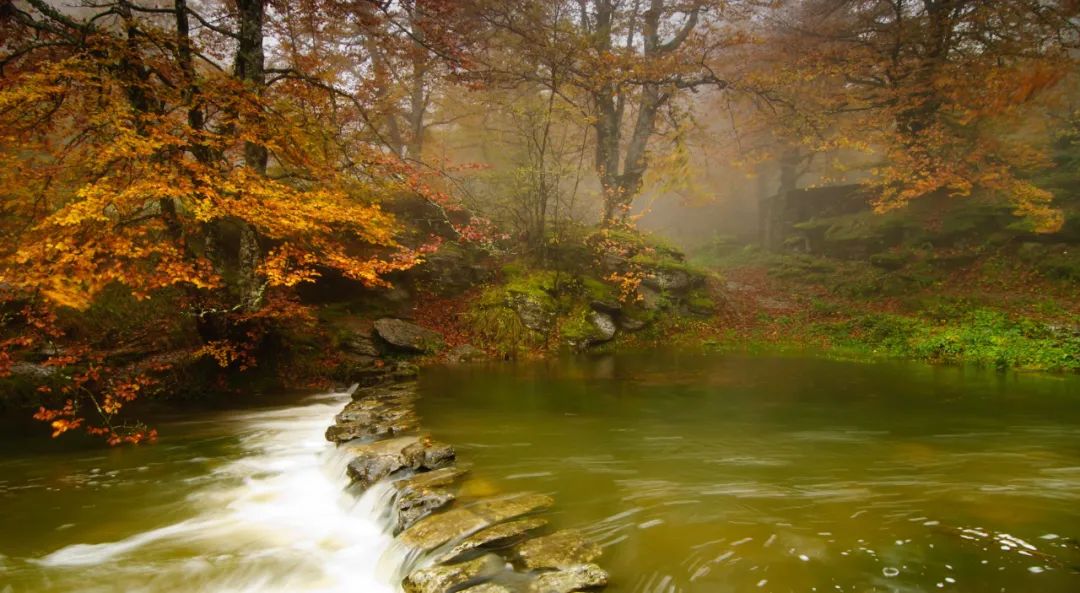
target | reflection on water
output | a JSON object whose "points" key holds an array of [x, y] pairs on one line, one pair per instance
{"points": [[702, 474], [245, 501]]}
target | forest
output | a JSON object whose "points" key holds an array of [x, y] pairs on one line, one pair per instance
{"points": [[708, 295], [201, 191]]}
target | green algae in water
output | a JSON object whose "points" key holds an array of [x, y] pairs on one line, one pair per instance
{"points": [[717, 474]]}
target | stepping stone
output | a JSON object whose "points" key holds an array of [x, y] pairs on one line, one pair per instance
{"points": [[443, 578], [570, 579], [436, 530], [498, 535], [375, 461], [562, 549], [376, 414]]}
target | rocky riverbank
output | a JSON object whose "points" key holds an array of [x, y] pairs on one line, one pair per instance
{"points": [[454, 541]]}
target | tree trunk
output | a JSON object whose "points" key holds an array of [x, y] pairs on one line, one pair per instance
{"points": [[250, 68]]}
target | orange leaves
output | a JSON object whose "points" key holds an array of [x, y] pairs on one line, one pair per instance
{"points": [[941, 101], [224, 352]]}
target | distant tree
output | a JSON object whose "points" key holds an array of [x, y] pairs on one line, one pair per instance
{"points": [[936, 88], [623, 63]]}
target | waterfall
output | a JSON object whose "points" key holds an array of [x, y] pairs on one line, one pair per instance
{"points": [[276, 518]]}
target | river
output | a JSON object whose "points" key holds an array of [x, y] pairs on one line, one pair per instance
{"points": [[719, 474], [695, 473], [242, 501]]}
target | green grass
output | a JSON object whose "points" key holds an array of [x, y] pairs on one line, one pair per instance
{"points": [[981, 337]]}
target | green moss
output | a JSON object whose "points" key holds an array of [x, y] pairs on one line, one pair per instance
{"points": [[576, 329], [497, 327], [598, 290], [982, 337]]}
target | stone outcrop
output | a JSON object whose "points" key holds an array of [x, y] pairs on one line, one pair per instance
{"points": [[535, 312], [377, 414], [408, 337], [377, 460]]}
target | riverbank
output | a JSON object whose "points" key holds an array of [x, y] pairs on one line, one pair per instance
{"points": [[992, 311], [609, 291]]}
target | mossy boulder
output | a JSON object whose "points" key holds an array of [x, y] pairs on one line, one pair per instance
{"points": [[536, 312], [408, 337], [588, 328]]}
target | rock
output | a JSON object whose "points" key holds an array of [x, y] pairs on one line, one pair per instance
{"points": [[407, 336], [376, 414], [535, 313], [605, 327], [668, 280], [359, 343], [612, 308], [591, 329], [404, 370], [466, 353], [499, 535], [436, 530], [562, 549], [650, 299], [453, 268], [431, 479], [570, 579], [375, 461], [508, 507], [421, 494], [444, 578], [417, 503]]}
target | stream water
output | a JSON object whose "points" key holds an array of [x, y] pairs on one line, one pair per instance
{"points": [[242, 501], [695, 473], [725, 474]]}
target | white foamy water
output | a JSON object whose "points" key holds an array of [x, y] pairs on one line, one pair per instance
{"points": [[274, 519]]}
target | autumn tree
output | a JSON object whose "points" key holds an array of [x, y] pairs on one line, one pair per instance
{"points": [[155, 149], [626, 65], [934, 88]]}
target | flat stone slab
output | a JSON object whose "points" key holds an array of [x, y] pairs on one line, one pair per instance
{"points": [[562, 549], [570, 579], [432, 479], [408, 336], [376, 414], [508, 507], [498, 535], [443, 578], [436, 530], [375, 461], [420, 495], [415, 504]]}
